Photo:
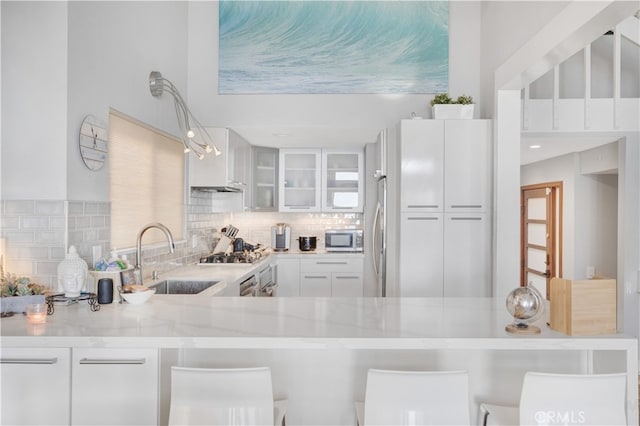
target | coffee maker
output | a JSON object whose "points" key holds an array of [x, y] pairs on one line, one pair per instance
{"points": [[281, 237]]}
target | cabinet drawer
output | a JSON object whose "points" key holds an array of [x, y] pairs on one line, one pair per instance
{"points": [[315, 284], [346, 284], [331, 264]]}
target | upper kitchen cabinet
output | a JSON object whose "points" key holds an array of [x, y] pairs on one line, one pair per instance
{"points": [[300, 182], [321, 180], [264, 193], [446, 165], [422, 165], [342, 181], [229, 171], [467, 165]]}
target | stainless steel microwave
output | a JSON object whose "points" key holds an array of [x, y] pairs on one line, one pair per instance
{"points": [[343, 240]]}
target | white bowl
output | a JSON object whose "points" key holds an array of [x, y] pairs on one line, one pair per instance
{"points": [[138, 297]]}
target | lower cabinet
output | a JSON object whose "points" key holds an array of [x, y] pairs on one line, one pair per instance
{"points": [[36, 386], [114, 386], [288, 276], [329, 276], [445, 255]]}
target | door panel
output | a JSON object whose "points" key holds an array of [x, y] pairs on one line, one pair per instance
{"points": [[540, 242]]}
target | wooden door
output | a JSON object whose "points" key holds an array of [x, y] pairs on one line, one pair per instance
{"points": [[540, 247]]}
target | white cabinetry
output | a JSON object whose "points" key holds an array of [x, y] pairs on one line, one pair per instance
{"points": [[288, 276], [467, 165], [264, 182], [300, 180], [231, 169], [36, 386], [321, 180], [342, 181], [331, 276], [467, 255], [114, 386], [445, 225], [421, 235], [422, 165]]}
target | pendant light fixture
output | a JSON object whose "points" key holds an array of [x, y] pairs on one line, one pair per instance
{"points": [[194, 136]]}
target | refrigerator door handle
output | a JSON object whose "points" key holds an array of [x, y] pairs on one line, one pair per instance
{"points": [[374, 232]]}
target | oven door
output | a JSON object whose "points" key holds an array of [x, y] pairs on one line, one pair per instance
{"points": [[249, 287]]}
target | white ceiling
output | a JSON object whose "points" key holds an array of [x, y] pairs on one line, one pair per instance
{"points": [[557, 144]]}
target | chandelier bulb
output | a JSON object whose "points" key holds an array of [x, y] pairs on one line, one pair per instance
{"points": [[207, 148], [186, 150], [199, 155], [190, 134]]}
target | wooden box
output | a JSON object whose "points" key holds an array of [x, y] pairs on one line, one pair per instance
{"points": [[583, 307]]}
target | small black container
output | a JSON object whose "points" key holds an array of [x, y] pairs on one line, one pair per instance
{"points": [[238, 245], [307, 243], [105, 291]]}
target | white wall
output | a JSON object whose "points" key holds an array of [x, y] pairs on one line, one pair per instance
{"points": [[34, 100], [113, 46]]}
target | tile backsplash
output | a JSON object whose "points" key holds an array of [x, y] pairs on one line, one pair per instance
{"points": [[37, 233]]}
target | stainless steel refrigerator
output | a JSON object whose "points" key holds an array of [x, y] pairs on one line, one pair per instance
{"points": [[378, 222]]}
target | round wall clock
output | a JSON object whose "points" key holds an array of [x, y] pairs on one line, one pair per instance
{"points": [[93, 142]]}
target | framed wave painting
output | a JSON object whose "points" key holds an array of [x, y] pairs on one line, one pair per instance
{"points": [[333, 47]]}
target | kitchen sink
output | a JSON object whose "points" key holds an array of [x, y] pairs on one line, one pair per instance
{"points": [[182, 286]]}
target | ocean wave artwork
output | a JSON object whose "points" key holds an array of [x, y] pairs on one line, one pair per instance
{"points": [[333, 47]]}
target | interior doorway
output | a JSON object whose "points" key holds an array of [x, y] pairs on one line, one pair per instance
{"points": [[541, 234]]}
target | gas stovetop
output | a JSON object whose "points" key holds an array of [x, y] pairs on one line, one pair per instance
{"points": [[231, 258]]}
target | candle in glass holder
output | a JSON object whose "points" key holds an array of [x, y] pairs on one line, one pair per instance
{"points": [[36, 313]]}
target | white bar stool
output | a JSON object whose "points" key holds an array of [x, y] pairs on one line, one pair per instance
{"points": [[235, 396], [560, 399], [415, 398]]}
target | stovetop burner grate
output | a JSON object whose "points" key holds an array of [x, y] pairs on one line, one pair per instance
{"points": [[232, 258]]}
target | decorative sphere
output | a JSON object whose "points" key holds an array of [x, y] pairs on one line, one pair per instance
{"points": [[525, 304]]}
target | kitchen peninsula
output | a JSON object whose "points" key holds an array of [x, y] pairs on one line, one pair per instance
{"points": [[318, 349]]}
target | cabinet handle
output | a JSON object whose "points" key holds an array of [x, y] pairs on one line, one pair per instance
{"points": [[28, 360], [94, 361], [466, 206], [466, 218], [347, 277], [330, 263], [422, 218], [422, 206], [299, 207], [316, 276]]}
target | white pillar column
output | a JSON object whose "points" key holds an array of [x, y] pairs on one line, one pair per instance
{"points": [[506, 213]]}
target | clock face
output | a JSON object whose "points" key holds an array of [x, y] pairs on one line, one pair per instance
{"points": [[93, 142]]}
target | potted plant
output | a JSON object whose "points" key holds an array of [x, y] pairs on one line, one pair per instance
{"points": [[17, 292], [444, 107]]}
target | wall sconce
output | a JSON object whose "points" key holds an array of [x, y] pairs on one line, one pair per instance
{"points": [[195, 139]]}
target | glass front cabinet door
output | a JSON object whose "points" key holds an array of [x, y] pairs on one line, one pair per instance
{"points": [[300, 184], [265, 179], [342, 181]]}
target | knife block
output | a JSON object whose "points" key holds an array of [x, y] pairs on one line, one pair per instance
{"points": [[583, 307]]}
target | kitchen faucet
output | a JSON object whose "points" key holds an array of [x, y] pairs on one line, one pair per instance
{"points": [[161, 227]]}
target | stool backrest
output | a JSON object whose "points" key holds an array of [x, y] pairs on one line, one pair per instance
{"points": [[242, 396], [565, 399], [416, 398]]}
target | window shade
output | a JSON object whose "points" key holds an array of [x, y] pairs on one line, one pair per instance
{"points": [[147, 172]]}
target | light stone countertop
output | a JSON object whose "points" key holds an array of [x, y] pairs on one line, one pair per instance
{"points": [[182, 321]]}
